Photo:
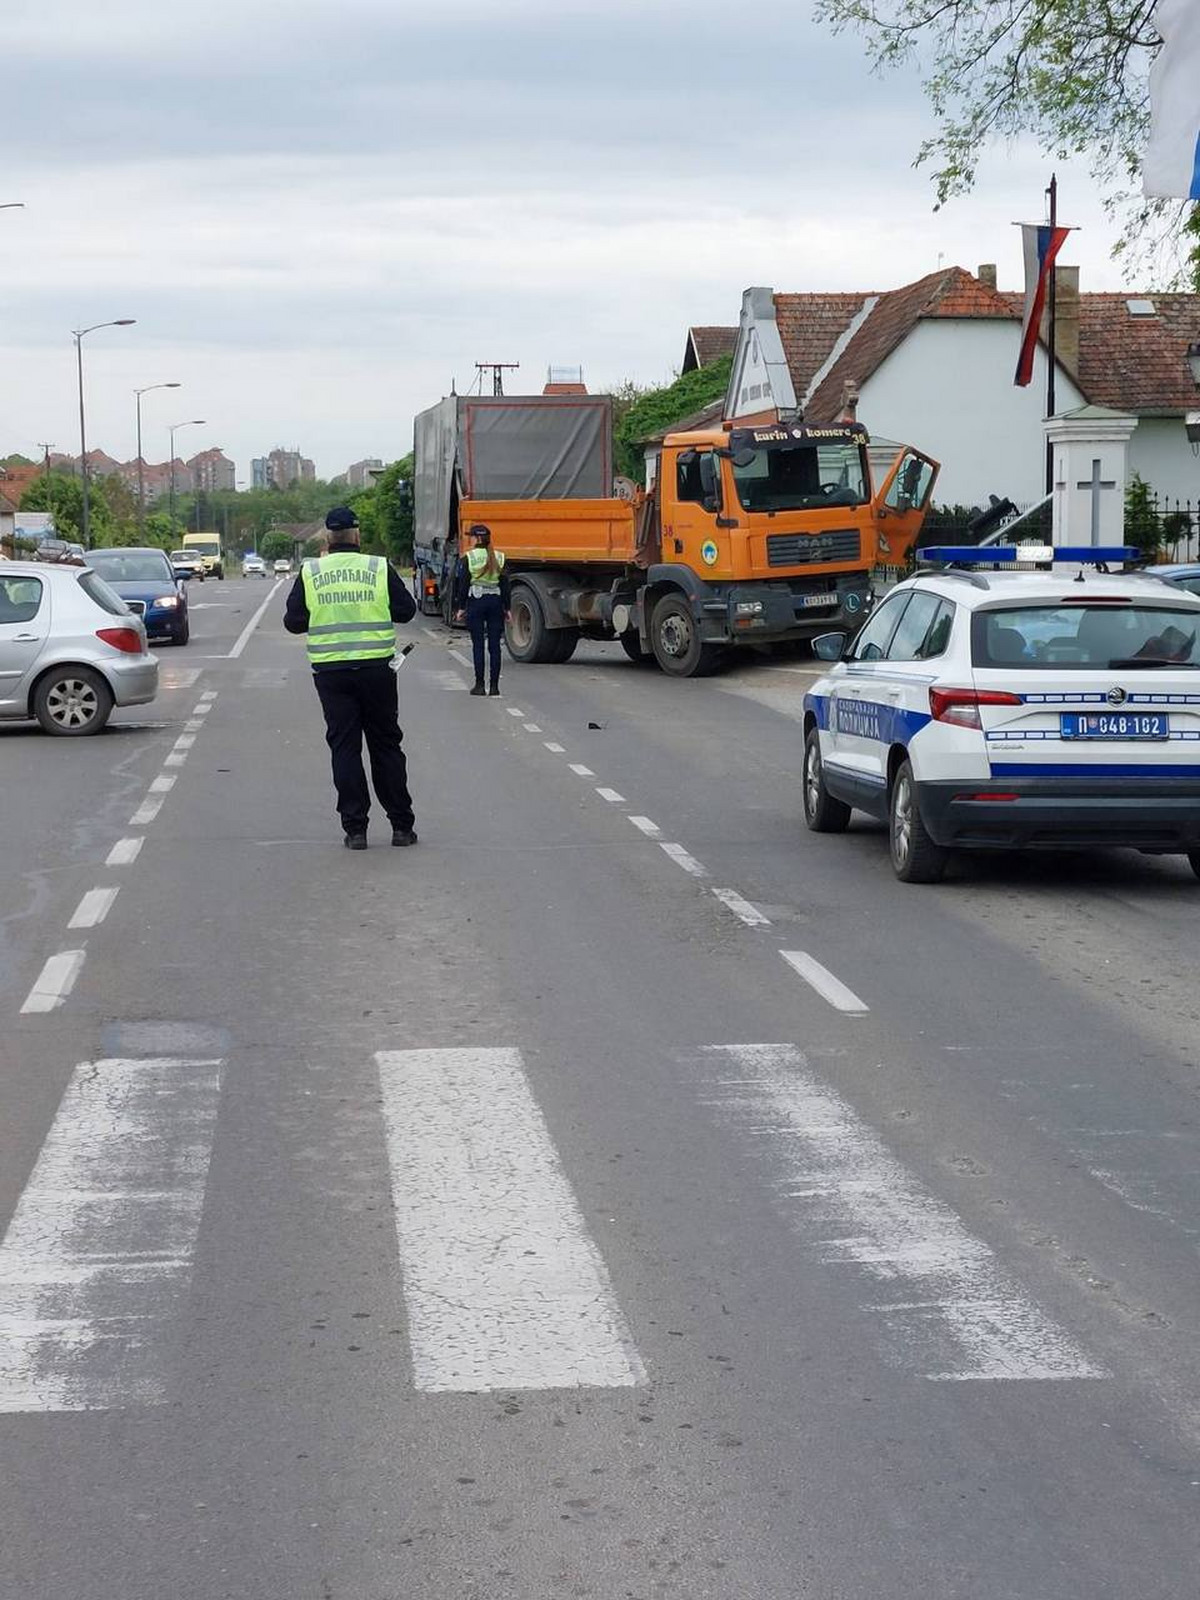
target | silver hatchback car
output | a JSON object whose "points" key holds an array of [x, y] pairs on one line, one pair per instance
{"points": [[70, 648]]}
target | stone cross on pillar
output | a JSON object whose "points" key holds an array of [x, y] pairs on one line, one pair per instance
{"points": [[1095, 484], [1091, 450]]}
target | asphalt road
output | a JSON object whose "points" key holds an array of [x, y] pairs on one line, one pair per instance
{"points": [[622, 1194]]}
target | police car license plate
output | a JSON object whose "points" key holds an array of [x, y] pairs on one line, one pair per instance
{"points": [[1114, 725], [807, 600]]}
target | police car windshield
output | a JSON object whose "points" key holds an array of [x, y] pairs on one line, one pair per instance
{"points": [[1083, 636], [801, 478]]}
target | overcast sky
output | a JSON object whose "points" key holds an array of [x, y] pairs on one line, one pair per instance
{"points": [[323, 211]]}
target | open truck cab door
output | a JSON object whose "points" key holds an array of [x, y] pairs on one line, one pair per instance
{"points": [[899, 503]]}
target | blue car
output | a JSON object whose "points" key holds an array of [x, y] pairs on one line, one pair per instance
{"points": [[1183, 574], [146, 581]]}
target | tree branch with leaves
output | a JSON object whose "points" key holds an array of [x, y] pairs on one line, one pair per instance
{"points": [[1071, 74]]}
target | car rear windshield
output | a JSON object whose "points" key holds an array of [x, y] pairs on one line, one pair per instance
{"points": [[1085, 635], [96, 589], [119, 567]]}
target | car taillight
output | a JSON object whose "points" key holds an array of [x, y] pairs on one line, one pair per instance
{"points": [[127, 639], [961, 706]]}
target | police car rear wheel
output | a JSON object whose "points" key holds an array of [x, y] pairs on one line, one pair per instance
{"points": [[822, 812], [915, 857]]}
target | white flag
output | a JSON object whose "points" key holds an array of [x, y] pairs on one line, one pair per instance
{"points": [[1172, 165]]}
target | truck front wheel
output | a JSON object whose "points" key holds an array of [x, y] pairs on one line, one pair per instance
{"points": [[675, 638]]}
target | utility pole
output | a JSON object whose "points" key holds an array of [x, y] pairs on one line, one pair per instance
{"points": [[497, 370], [1051, 332], [46, 449]]}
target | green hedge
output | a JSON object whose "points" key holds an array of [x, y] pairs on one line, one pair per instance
{"points": [[657, 409]]}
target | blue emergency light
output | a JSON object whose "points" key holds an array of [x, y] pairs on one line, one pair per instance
{"points": [[1039, 554]]}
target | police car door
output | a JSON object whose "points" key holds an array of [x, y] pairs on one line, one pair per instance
{"points": [[854, 705]]}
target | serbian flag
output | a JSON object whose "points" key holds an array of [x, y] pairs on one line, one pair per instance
{"points": [[1042, 244], [1172, 166]]}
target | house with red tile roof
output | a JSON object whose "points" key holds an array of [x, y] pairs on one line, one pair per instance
{"points": [[931, 364]]}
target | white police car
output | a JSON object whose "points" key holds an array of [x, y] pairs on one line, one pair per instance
{"points": [[1012, 709]]}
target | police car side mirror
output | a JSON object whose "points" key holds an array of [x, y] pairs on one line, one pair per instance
{"points": [[830, 646]]}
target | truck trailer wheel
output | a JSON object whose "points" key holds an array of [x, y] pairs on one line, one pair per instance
{"points": [[676, 640]]}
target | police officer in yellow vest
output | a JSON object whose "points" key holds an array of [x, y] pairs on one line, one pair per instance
{"points": [[481, 600], [348, 604]]}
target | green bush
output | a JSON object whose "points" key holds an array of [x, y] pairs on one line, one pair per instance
{"points": [[658, 409], [1143, 525]]}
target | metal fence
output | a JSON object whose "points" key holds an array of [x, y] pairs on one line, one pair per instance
{"points": [[1180, 522]]}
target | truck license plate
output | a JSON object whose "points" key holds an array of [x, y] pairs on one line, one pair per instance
{"points": [[1114, 725], [807, 600]]}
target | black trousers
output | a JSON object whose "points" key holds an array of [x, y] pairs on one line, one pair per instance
{"points": [[485, 618], [360, 701]]}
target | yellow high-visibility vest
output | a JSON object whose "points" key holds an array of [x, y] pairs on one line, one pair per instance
{"points": [[349, 616]]}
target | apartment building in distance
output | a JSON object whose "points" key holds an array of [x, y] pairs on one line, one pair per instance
{"points": [[212, 470], [281, 469], [361, 475]]}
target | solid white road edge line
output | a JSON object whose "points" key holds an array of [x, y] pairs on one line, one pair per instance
{"points": [[504, 1285], [124, 853], [682, 859], [651, 829], [750, 914], [97, 1257], [243, 638], [611, 795], [54, 983], [947, 1304], [823, 981], [93, 908]]}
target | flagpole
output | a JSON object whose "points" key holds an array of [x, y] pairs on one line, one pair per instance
{"points": [[1051, 361]]}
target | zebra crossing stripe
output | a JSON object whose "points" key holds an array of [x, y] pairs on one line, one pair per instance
{"points": [[504, 1286], [945, 1301], [97, 1258]]}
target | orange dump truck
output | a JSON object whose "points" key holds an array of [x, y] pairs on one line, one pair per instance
{"points": [[749, 536]]}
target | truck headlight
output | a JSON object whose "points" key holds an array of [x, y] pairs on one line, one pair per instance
{"points": [[748, 608]]}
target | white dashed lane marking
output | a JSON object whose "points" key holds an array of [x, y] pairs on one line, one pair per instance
{"points": [[531, 727], [823, 981], [611, 795], [124, 853], [513, 712], [555, 749], [147, 812], [749, 914], [581, 771], [54, 982], [93, 908], [681, 858], [650, 829], [504, 1285]]}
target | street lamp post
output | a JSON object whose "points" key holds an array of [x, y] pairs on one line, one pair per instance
{"points": [[195, 422], [121, 322], [138, 393]]}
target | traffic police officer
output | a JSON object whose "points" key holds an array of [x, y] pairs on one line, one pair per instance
{"points": [[348, 604], [481, 597]]}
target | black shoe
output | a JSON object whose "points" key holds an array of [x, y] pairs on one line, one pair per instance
{"points": [[402, 836], [494, 690], [355, 841], [478, 689]]}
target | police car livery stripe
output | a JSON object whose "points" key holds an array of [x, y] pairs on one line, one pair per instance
{"points": [[1089, 769]]}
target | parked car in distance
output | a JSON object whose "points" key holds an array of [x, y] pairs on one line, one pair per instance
{"points": [[187, 564], [1183, 574], [146, 581], [253, 567], [282, 567], [70, 648], [60, 550]]}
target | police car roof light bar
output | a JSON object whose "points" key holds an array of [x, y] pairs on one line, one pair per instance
{"points": [[1038, 554]]}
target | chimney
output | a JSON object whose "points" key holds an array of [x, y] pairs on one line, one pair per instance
{"points": [[849, 407], [1066, 327], [987, 275]]}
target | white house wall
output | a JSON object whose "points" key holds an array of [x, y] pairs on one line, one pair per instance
{"points": [[1160, 453], [948, 390]]}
